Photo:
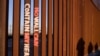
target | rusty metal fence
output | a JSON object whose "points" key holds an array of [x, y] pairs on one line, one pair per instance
{"points": [[54, 43]]}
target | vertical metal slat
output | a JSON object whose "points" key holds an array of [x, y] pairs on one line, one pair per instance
{"points": [[16, 27], [3, 19], [60, 27], [27, 18], [64, 28], [50, 27], [36, 7], [55, 18], [43, 18]]}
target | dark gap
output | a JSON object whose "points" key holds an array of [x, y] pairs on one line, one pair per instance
{"points": [[31, 45], [47, 39], [6, 40], [58, 29], [21, 44], [53, 44], [21, 37], [9, 53]]}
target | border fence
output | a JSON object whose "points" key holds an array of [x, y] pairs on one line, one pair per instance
{"points": [[68, 21], [52, 44]]}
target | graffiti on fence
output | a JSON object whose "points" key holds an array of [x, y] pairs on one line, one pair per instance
{"points": [[27, 29], [36, 26]]}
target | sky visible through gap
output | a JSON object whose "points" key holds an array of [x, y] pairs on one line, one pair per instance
{"points": [[10, 17]]}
